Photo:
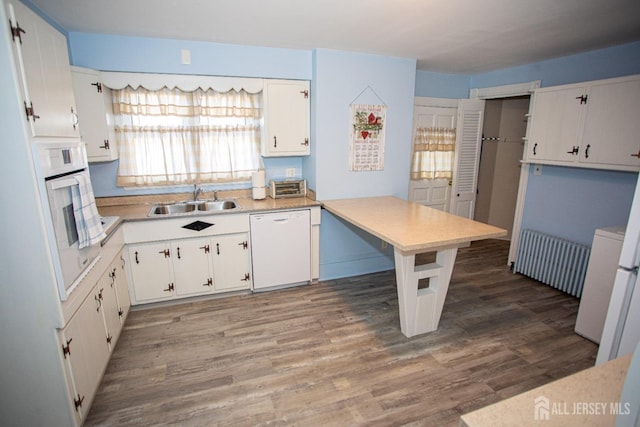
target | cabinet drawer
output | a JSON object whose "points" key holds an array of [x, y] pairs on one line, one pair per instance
{"points": [[173, 228]]}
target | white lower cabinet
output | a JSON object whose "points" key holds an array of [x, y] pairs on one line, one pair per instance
{"points": [[86, 352], [89, 337], [121, 285], [114, 294], [189, 267], [151, 271], [231, 262], [192, 267]]}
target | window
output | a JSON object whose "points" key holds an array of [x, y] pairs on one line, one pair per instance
{"points": [[433, 153], [170, 136]]}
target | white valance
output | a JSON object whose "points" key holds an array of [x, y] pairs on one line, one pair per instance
{"points": [[184, 82]]}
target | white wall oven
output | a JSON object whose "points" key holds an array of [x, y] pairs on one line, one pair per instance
{"points": [[61, 167]]}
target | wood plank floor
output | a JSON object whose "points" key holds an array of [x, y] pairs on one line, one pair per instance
{"points": [[332, 353]]}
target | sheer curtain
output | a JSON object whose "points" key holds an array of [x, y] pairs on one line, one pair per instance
{"points": [[170, 137], [433, 153]]}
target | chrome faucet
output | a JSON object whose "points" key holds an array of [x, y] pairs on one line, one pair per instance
{"points": [[196, 192]]}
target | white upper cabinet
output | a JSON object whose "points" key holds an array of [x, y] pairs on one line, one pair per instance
{"points": [[555, 125], [42, 62], [593, 125], [95, 114], [612, 125], [286, 118]]}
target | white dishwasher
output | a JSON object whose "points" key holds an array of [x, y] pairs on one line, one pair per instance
{"points": [[281, 248]]}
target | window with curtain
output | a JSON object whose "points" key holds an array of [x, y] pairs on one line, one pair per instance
{"points": [[433, 153], [170, 136]]}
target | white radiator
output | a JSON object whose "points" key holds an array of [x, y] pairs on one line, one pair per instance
{"points": [[556, 262]]}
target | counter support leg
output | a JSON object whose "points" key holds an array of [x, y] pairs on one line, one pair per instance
{"points": [[420, 309]]}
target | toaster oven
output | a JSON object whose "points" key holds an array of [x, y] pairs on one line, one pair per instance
{"points": [[288, 188]]}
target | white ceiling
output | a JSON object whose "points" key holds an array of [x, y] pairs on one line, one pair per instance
{"points": [[451, 36]]}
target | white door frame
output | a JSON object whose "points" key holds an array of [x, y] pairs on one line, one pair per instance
{"points": [[506, 91]]}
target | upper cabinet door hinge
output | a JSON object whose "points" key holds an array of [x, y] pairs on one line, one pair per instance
{"points": [[583, 99], [305, 93], [28, 109], [16, 32], [66, 349], [98, 86]]}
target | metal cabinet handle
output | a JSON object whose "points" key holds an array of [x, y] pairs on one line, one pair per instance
{"points": [[535, 147]]}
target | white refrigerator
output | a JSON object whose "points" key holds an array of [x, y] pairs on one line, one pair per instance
{"points": [[621, 331]]}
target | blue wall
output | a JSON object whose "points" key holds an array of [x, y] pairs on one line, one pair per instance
{"points": [[341, 79], [572, 202], [440, 85], [616, 61], [154, 55]]}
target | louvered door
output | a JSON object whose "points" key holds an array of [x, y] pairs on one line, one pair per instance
{"points": [[469, 134]]}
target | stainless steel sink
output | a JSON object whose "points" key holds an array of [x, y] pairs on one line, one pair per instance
{"points": [[217, 205], [193, 208]]}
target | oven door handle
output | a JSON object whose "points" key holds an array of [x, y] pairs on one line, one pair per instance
{"points": [[69, 182]]}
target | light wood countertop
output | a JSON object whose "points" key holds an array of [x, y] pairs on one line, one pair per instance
{"points": [[408, 226], [586, 398], [139, 210]]}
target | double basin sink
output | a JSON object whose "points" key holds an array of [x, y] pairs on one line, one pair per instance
{"points": [[193, 207]]}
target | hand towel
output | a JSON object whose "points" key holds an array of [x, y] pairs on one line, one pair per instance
{"points": [[88, 222]]}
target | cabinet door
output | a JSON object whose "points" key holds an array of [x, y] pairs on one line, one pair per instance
{"points": [[43, 68], [556, 119], [612, 125], [95, 115], [150, 266], [110, 309], [231, 262], [286, 118], [191, 266], [122, 286], [87, 351]]}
